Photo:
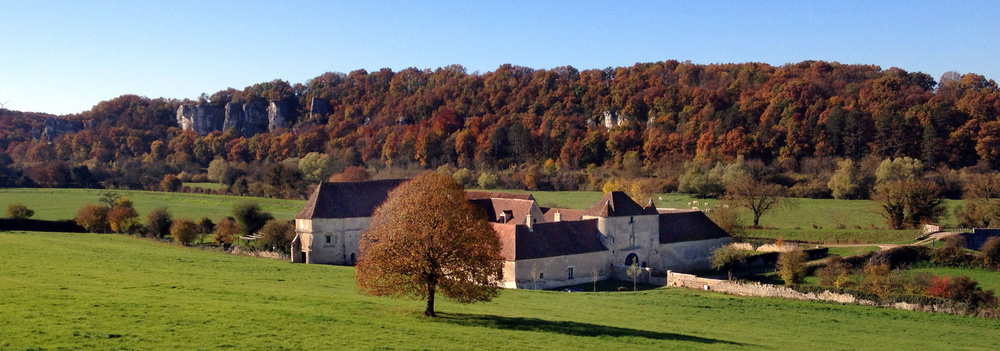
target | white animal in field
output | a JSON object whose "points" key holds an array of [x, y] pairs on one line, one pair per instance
{"points": [[695, 208]]}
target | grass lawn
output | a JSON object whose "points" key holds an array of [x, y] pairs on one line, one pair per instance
{"points": [[92, 291], [841, 236], [57, 204]]}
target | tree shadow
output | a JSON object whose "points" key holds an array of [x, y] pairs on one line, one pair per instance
{"points": [[567, 328]]}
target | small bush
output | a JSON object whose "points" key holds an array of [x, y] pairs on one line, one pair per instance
{"points": [[276, 235], [488, 180], [94, 218], [989, 253], [184, 231], [171, 183], [792, 266], [159, 221], [19, 211], [835, 267], [226, 231]]}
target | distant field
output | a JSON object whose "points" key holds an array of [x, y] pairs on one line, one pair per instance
{"points": [[213, 186], [851, 251], [839, 236], [56, 204], [92, 291]]}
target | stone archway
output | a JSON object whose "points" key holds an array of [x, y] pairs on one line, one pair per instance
{"points": [[632, 257]]}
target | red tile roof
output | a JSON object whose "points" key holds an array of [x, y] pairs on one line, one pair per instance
{"points": [[567, 214], [347, 200], [549, 239], [494, 207]]}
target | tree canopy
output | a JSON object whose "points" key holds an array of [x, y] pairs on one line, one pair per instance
{"points": [[427, 237]]}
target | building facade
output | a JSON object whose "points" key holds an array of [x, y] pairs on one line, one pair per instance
{"points": [[543, 248]]}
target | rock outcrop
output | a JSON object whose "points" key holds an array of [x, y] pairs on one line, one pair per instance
{"points": [[248, 119], [56, 126], [321, 107], [255, 118], [201, 118], [234, 117], [277, 115]]}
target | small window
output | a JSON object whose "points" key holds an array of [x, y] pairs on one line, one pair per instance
{"points": [[631, 220], [541, 275], [327, 239], [569, 273]]}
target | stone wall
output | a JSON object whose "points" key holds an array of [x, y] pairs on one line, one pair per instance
{"points": [[766, 290], [553, 272]]}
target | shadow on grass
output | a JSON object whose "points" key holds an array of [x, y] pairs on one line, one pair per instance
{"points": [[567, 328]]}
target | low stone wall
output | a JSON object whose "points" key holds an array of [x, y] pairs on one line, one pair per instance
{"points": [[766, 290]]}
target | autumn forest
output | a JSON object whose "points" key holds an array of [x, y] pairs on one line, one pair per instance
{"points": [[523, 128]]}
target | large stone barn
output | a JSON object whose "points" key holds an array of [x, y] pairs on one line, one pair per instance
{"points": [[543, 248]]}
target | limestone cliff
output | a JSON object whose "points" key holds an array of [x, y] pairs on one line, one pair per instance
{"points": [[277, 115], [56, 126], [202, 118]]}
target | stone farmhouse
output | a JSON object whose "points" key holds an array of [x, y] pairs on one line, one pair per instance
{"points": [[542, 247]]}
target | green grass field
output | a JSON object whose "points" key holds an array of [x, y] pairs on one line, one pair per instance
{"points": [[92, 291], [57, 204]]}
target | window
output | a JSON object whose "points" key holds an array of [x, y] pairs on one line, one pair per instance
{"points": [[541, 275], [328, 239], [569, 273]]}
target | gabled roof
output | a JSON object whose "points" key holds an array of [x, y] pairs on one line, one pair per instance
{"points": [[494, 207], [549, 239], [347, 200], [476, 195], [567, 214], [688, 225], [617, 203]]}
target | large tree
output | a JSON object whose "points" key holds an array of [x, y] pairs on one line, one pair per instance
{"points": [[758, 196], [427, 237], [908, 203]]}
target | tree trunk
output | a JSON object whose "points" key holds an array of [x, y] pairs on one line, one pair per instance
{"points": [[756, 220], [431, 287]]}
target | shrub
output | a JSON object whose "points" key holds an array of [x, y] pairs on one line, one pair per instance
{"points": [[171, 183], [226, 231], [879, 279], [949, 253], [159, 221], [830, 273], [728, 219], [989, 253], [900, 256], [19, 211], [250, 217], [792, 266], [184, 231], [276, 235], [463, 176], [93, 217], [488, 180], [940, 287], [351, 174], [121, 218]]}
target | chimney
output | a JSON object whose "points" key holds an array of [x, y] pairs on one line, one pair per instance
{"points": [[527, 218], [558, 217]]}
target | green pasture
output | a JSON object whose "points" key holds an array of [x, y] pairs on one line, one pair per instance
{"points": [[57, 204], [93, 291]]}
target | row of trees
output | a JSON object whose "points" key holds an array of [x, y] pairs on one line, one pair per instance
{"points": [[115, 213]]}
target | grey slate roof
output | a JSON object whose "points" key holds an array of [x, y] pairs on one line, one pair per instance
{"points": [[617, 203], [678, 226]]}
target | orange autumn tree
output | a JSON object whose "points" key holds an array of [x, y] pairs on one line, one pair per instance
{"points": [[427, 237]]}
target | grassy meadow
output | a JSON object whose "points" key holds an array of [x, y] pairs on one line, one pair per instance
{"points": [[94, 291], [57, 204]]}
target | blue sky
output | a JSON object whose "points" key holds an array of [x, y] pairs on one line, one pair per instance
{"points": [[66, 56]]}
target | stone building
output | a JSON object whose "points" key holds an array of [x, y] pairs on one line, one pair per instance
{"points": [[542, 248]]}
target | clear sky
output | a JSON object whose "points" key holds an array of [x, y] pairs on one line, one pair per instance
{"points": [[66, 56]]}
